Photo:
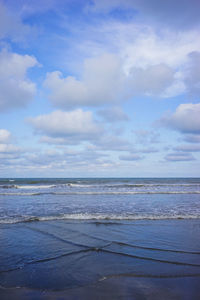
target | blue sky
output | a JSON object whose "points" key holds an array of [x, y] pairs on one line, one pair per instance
{"points": [[99, 88]]}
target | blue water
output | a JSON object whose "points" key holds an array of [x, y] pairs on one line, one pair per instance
{"points": [[131, 199], [69, 235]]}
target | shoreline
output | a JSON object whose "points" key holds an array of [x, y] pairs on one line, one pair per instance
{"points": [[93, 260]]}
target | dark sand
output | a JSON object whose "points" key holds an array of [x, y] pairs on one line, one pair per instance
{"points": [[100, 260]]}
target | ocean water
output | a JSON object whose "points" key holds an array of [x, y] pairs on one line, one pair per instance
{"points": [[100, 238], [131, 199]]}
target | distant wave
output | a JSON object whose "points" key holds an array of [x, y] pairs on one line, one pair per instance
{"points": [[99, 217], [99, 193], [129, 185], [125, 192], [34, 185], [152, 185], [7, 186], [21, 194], [14, 186]]}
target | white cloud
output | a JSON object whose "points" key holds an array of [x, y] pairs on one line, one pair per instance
{"points": [[142, 46], [105, 80], [5, 136], [151, 81], [101, 82], [8, 148], [159, 58], [15, 88], [185, 119], [72, 127], [144, 62]]}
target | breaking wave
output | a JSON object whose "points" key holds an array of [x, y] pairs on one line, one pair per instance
{"points": [[99, 193], [14, 186], [103, 217], [36, 185]]}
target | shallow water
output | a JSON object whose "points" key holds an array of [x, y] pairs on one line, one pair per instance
{"points": [[99, 238], [62, 255]]}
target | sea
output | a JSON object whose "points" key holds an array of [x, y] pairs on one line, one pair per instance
{"points": [[99, 238], [23, 200]]}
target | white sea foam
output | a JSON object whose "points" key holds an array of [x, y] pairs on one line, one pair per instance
{"points": [[109, 187], [82, 216], [100, 193], [125, 192], [19, 194], [34, 186], [119, 185], [81, 185]]}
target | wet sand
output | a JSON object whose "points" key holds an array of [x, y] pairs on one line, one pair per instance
{"points": [[118, 288], [100, 260]]}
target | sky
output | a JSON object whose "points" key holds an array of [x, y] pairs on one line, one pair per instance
{"points": [[97, 88]]}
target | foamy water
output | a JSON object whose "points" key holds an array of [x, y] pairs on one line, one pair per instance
{"points": [[25, 200]]}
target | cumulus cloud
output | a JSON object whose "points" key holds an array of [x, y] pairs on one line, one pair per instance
{"points": [[16, 90], [153, 65], [177, 156], [73, 127], [101, 83], [5, 136], [151, 81], [105, 80], [185, 119], [141, 46], [8, 148], [144, 63]]}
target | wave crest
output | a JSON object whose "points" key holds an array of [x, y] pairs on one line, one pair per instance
{"points": [[99, 217]]}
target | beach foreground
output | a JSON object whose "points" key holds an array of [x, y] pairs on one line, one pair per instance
{"points": [[100, 259]]}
